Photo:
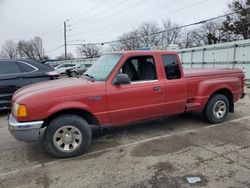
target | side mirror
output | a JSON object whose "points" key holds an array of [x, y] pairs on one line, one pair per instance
{"points": [[121, 79]]}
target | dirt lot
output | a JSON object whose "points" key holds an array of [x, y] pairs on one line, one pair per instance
{"points": [[155, 154]]}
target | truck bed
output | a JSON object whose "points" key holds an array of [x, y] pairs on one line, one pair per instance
{"points": [[197, 72], [201, 78]]}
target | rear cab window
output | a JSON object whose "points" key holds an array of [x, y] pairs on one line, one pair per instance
{"points": [[171, 67]]}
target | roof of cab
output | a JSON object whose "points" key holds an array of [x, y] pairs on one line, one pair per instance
{"points": [[144, 52]]}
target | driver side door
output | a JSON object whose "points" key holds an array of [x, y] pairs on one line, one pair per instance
{"points": [[142, 99]]}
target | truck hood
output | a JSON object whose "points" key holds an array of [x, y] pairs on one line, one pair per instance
{"points": [[59, 88]]}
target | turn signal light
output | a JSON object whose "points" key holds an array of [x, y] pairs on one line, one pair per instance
{"points": [[21, 111]]}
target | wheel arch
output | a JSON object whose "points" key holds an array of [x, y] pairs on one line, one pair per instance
{"points": [[227, 93], [88, 116]]}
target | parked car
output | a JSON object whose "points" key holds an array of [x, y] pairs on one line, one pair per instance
{"points": [[17, 73], [120, 88], [52, 64], [63, 67], [80, 69]]}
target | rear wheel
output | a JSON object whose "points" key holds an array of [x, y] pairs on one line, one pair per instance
{"points": [[67, 136], [217, 109]]}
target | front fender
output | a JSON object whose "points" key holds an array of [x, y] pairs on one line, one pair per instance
{"points": [[68, 105]]}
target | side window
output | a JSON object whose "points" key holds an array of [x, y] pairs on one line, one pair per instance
{"points": [[61, 66], [171, 67], [140, 68], [70, 65], [9, 67], [26, 67]]}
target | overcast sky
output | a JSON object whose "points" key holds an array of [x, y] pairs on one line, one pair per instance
{"points": [[94, 20]]}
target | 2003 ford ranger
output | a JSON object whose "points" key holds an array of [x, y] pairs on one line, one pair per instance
{"points": [[120, 88]]}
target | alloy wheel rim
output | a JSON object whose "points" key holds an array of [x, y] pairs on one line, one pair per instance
{"points": [[219, 109], [67, 138]]}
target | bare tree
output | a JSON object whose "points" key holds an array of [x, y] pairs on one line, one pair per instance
{"points": [[128, 41], [32, 49], [89, 51], [9, 49], [138, 38], [172, 35], [148, 38], [209, 33], [38, 47]]}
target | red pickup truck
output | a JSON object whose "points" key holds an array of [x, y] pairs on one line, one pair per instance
{"points": [[120, 88]]}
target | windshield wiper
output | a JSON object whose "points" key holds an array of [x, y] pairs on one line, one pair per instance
{"points": [[89, 76]]}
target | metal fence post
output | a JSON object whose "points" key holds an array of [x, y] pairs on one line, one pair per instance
{"points": [[234, 55], [203, 57], [192, 58]]}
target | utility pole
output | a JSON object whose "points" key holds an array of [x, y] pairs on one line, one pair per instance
{"points": [[187, 44], [65, 39]]}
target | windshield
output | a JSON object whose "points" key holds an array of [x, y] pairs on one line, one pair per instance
{"points": [[101, 69]]}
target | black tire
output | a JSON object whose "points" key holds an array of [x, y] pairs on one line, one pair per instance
{"points": [[73, 74], [67, 73], [212, 111], [68, 123]]}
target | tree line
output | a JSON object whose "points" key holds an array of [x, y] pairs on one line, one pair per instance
{"points": [[233, 27], [32, 49]]}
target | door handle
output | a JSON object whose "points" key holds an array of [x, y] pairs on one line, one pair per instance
{"points": [[157, 88]]}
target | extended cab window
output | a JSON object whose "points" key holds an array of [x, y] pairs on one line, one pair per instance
{"points": [[140, 68], [9, 67], [171, 66]]}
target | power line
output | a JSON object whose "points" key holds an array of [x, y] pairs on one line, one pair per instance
{"points": [[77, 40], [57, 39], [127, 25], [52, 29], [53, 37], [88, 10], [152, 10], [100, 13], [51, 33], [54, 49], [65, 39], [118, 12], [159, 32], [73, 17]]}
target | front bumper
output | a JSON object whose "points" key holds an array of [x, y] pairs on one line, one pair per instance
{"points": [[24, 131]]}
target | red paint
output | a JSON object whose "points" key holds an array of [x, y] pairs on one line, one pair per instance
{"points": [[117, 105]]}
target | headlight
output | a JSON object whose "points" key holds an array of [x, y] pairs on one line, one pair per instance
{"points": [[19, 110]]}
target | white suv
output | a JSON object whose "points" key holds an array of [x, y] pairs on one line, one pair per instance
{"points": [[63, 67]]}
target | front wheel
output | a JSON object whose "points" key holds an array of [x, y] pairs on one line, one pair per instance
{"points": [[217, 109], [67, 136]]}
